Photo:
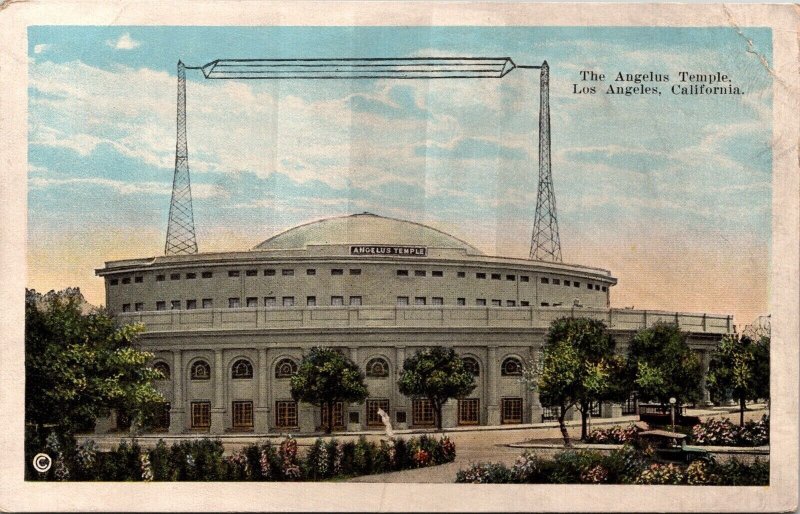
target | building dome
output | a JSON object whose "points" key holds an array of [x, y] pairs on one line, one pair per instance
{"points": [[364, 228]]}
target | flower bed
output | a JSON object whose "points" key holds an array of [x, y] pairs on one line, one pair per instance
{"points": [[624, 466], [613, 435], [204, 460], [723, 432]]}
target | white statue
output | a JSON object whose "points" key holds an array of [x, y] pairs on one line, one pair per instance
{"points": [[387, 422]]}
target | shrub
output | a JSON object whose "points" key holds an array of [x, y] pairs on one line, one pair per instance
{"points": [[613, 435], [446, 451], [363, 457], [624, 465], [485, 473], [529, 468], [736, 472], [661, 474], [723, 432], [700, 472], [570, 466]]}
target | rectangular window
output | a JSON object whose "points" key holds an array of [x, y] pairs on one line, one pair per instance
{"points": [[113, 281], [480, 301], [402, 300], [437, 273], [589, 286], [338, 415], [191, 304], [524, 303], [495, 276], [545, 280], [511, 277], [233, 303], [126, 280], [208, 303], [419, 300], [437, 300], [252, 301], [469, 411], [402, 273], [480, 275], [287, 272], [356, 271], [567, 283], [242, 414], [419, 273], [251, 273], [545, 304], [497, 303], [373, 418], [175, 276], [511, 411], [355, 300], [311, 271], [556, 282], [201, 414], [576, 284], [422, 412], [461, 274], [288, 301], [207, 274], [161, 305], [337, 300], [270, 301], [138, 279], [605, 289], [160, 278], [126, 307], [190, 276], [524, 278], [337, 271], [139, 306], [461, 301], [269, 272], [311, 301], [233, 273], [286, 414], [511, 303], [175, 304]]}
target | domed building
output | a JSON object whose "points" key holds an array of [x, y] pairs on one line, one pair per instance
{"points": [[229, 329]]}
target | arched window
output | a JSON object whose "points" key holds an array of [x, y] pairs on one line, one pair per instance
{"points": [[511, 367], [163, 367], [242, 369], [377, 367], [200, 371], [285, 368], [471, 365]]}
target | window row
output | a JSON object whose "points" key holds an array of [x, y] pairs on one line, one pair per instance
{"points": [[376, 367], [574, 283], [286, 413], [461, 274], [438, 300], [269, 272]]}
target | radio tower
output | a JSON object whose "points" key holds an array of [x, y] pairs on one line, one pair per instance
{"points": [[545, 243], [180, 228]]}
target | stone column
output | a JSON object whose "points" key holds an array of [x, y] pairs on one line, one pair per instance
{"points": [[536, 404], [610, 410], [705, 360], [492, 401], [177, 412], [400, 399], [305, 415], [261, 411], [218, 405], [450, 413]]}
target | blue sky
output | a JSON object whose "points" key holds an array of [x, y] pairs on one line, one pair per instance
{"points": [[672, 193]]}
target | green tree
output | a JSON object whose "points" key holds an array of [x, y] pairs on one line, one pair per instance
{"points": [[80, 363], [739, 369], [579, 367], [437, 374], [326, 377], [661, 365]]}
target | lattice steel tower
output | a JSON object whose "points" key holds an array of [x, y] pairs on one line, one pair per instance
{"points": [[180, 228], [545, 243]]}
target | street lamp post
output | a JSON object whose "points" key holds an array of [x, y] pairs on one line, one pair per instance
{"points": [[672, 402]]}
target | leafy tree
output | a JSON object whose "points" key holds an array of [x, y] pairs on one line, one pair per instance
{"points": [[80, 363], [739, 369], [579, 367], [661, 365], [437, 374], [325, 377]]}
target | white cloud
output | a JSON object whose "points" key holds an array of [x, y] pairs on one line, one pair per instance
{"points": [[199, 191], [41, 48], [125, 42]]}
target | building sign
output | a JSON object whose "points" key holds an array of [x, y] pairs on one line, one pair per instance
{"points": [[394, 251]]}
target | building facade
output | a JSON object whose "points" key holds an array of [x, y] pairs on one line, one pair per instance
{"points": [[229, 329]]}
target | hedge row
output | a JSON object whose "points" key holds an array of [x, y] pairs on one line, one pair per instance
{"points": [[623, 466], [203, 460], [713, 432]]}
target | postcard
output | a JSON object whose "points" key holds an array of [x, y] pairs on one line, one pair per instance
{"points": [[393, 256]]}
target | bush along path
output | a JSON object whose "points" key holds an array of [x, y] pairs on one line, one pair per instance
{"points": [[624, 466], [203, 460]]}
